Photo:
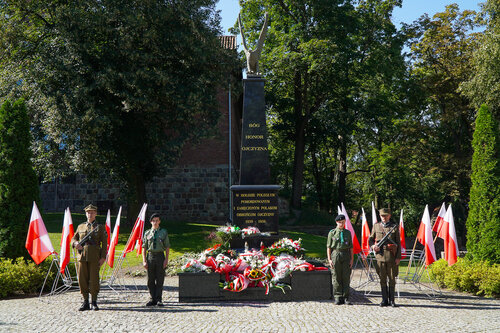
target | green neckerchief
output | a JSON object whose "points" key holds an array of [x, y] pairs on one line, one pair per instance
{"points": [[342, 236]]}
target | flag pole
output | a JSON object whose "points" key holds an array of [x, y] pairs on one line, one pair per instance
{"points": [[411, 257]]}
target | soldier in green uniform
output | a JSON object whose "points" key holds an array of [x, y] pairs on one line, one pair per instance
{"points": [[388, 255], [90, 256], [155, 258], [340, 254]]}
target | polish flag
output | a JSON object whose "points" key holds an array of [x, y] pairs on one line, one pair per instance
{"points": [[424, 236], [439, 219], [449, 236], [38, 242], [339, 211], [108, 226], [374, 214], [355, 242], [114, 240], [402, 235], [67, 234], [135, 239], [365, 234]]}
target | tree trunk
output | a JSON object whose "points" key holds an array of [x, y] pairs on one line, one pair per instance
{"points": [[298, 165], [319, 183], [136, 196], [342, 169]]}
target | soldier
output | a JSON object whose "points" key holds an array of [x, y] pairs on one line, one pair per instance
{"points": [[90, 256], [155, 258], [339, 244], [388, 255]]}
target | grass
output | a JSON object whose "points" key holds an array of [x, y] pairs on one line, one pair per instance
{"points": [[184, 236]]}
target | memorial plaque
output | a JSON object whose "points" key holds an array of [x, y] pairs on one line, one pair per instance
{"points": [[256, 206]]}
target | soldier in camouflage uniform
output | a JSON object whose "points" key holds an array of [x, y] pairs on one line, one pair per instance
{"points": [[90, 256], [340, 254], [156, 247], [388, 256]]}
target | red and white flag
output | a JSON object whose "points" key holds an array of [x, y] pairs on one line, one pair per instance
{"points": [[439, 219], [114, 240], [449, 235], [402, 235], [365, 234], [67, 234], [424, 236], [339, 211], [38, 242], [135, 239], [108, 226], [374, 214], [348, 225]]}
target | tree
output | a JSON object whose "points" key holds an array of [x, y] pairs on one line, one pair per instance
{"points": [[441, 62], [484, 86], [320, 57], [119, 86], [483, 222], [18, 182]]}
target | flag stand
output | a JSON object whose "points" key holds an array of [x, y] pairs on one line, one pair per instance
{"points": [[417, 258], [113, 277], [68, 282], [366, 264]]}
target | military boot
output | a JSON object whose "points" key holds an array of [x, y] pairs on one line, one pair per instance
{"points": [[85, 306], [384, 302], [94, 306], [391, 296]]}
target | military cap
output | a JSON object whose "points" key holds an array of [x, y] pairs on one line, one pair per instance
{"points": [[153, 216], [340, 217], [384, 211], [90, 207]]}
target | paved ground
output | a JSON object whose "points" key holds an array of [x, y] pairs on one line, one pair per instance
{"points": [[125, 312]]}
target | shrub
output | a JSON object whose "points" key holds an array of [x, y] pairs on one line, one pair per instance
{"points": [[483, 222], [19, 276], [480, 278], [18, 181]]}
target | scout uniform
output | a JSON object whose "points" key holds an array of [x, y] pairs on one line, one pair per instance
{"points": [[88, 258], [155, 242], [340, 242], [386, 267]]}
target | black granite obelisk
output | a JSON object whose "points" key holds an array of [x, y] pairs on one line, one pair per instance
{"points": [[255, 200]]}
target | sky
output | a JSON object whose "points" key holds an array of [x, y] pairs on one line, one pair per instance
{"points": [[411, 10]]}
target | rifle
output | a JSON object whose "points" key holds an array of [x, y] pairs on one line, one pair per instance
{"points": [[384, 239], [86, 239]]}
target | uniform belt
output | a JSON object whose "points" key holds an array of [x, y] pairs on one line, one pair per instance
{"points": [[155, 253], [342, 250]]}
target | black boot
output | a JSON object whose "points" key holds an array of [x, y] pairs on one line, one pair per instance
{"points": [[391, 296], [94, 306], [85, 306], [384, 302]]}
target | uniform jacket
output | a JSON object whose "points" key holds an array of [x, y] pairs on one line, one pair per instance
{"points": [[334, 240], [378, 232], [158, 242], [96, 248]]}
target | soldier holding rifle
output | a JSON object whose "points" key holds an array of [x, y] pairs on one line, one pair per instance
{"points": [[385, 242], [90, 241]]}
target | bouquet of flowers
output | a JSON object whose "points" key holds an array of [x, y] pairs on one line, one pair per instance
{"points": [[250, 231], [286, 245], [226, 233]]}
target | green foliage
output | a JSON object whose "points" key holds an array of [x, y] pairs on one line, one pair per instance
{"points": [[478, 277], [117, 86], [483, 86], [18, 182], [19, 276], [483, 223]]}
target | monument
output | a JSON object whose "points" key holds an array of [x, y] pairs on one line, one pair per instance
{"points": [[255, 200]]}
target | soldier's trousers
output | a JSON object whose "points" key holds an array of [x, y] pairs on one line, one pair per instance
{"points": [[156, 274], [341, 273], [387, 271], [88, 278]]}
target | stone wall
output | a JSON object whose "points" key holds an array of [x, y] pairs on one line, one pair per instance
{"points": [[196, 194]]}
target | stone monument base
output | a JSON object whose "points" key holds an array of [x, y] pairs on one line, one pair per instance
{"points": [[305, 286]]}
